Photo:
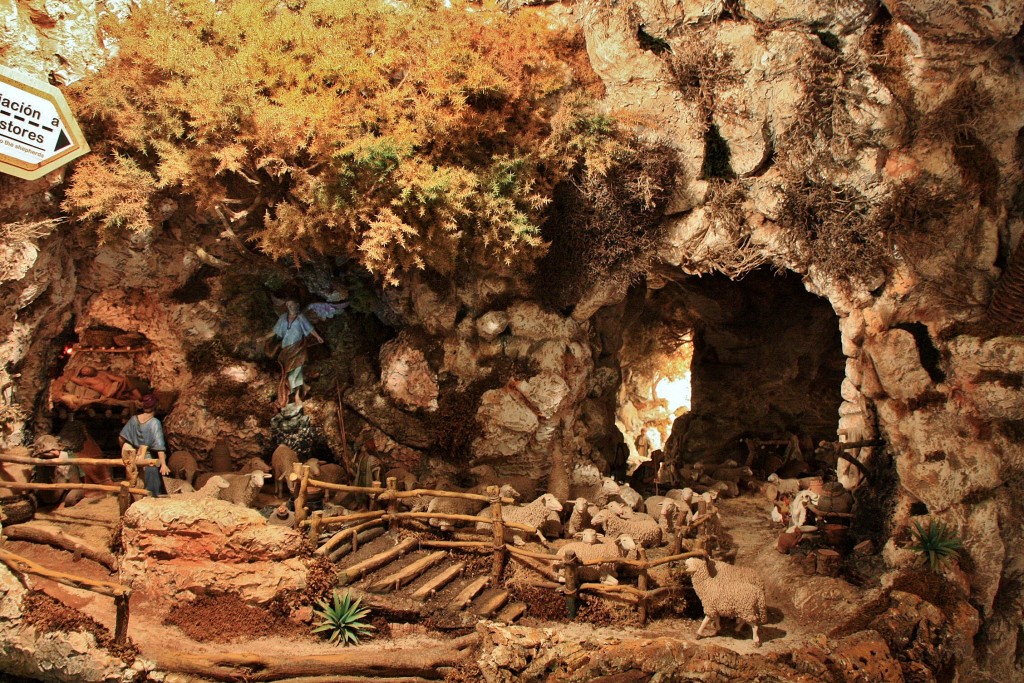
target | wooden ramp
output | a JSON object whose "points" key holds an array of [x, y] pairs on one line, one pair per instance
{"points": [[393, 573]]}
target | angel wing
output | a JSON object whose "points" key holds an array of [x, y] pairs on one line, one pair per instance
{"points": [[323, 310]]}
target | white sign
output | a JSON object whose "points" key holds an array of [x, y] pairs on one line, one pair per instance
{"points": [[38, 132]]}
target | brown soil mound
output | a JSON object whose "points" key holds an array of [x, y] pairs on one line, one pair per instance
{"points": [[222, 618], [49, 615]]}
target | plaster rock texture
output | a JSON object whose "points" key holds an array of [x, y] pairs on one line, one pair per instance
{"points": [[530, 655], [406, 375], [178, 548], [57, 657]]}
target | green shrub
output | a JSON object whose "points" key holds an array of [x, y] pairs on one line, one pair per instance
{"points": [[938, 544], [341, 620]]}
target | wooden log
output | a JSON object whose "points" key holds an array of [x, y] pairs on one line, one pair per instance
{"points": [[641, 584], [59, 539], [55, 517], [392, 485], [511, 612], [337, 539], [124, 498], [544, 569], [345, 488], [373, 496], [314, 527], [675, 558], [492, 604], [121, 605], [357, 571], [407, 573], [828, 563], [467, 594], [520, 552], [439, 581], [461, 518], [455, 544], [370, 662], [364, 537], [54, 462], [31, 486], [450, 494], [498, 561], [354, 517], [26, 566], [300, 498], [570, 570]]}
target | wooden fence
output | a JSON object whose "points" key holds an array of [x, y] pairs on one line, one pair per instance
{"points": [[121, 594], [361, 523]]}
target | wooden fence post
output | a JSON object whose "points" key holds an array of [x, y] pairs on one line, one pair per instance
{"points": [[392, 485], [499, 536], [373, 496], [300, 498], [641, 583], [314, 527], [121, 622], [124, 498], [570, 568]]}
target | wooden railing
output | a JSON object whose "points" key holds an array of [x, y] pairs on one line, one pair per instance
{"points": [[547, 565], [123, 490], [391, 515], [121, 594]]}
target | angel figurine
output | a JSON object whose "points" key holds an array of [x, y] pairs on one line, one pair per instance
{"points": [[293, 328]]}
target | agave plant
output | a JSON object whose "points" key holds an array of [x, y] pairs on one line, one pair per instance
{"points": [[937, 542], [342, 619]]}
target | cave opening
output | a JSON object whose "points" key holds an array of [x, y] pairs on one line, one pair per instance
{"points": [[756, 358]]}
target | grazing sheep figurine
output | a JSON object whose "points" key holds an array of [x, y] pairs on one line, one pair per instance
{"points": [[281, 461], [452, 506], [579, 520], [183, 466], [252, 465], [628, 495], [242, 488], [462, 506], [728, 591], [599, 494], [327, 472], [406, 480], [174, 486], [617, 521], [532, 514], [211, 489], [487, 476], [588, 550]]}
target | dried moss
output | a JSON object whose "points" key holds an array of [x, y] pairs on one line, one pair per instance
{"points": [[604, 228], [49, 615], [236, 401]]}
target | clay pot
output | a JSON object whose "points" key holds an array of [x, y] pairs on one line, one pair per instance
{"points": [[835, 534]]}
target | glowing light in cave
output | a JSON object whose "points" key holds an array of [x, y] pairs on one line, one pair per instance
{"points": [[675, 391]]}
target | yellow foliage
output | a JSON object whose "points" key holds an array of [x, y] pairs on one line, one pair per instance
{"points": [[407, 134]]}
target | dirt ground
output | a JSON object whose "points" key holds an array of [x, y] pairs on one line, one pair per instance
{"points": [[218, 628]]}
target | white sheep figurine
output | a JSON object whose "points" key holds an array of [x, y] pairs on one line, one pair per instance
{"points": [[588, 550], [728, 591], [460, 506], [183, 466], [579, 519], [211, 489], [617, 520], [242, 488], [281, 462], [532, 514]]}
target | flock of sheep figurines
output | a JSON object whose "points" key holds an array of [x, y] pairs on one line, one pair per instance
{"points": [[606, 521]]}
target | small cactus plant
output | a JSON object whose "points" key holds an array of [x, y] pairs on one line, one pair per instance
{"points": [[342, 619], [937, 543]]}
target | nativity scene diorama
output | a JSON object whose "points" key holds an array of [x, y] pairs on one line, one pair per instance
{"points": [[516, 342]]}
